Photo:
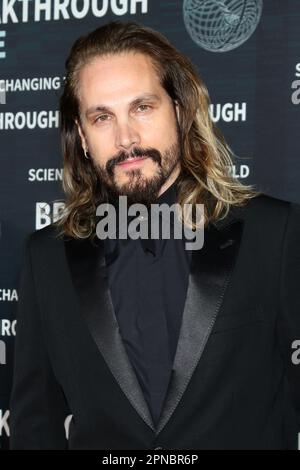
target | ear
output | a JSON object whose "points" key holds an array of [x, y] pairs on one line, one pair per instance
{"points": [[81, 134], [177, 110]]}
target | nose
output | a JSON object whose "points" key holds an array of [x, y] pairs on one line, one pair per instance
{"points": [[126, 136]]}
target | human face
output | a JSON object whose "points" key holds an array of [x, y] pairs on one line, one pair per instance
{"points": [[126, 113]]}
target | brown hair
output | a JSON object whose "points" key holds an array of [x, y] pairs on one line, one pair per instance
{"points": [[206, 157]]}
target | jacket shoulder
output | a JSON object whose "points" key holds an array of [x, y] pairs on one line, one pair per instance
{"points": [[265, 207], [50, 241], [268, 216], [45, 237]]}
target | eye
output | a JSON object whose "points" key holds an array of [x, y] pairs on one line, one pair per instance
{"points": [[144, 105], [101, 116]]}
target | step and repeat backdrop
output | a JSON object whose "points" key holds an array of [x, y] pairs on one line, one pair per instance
{"points": [[248, 54]]}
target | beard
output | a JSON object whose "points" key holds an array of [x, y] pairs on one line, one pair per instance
{"points": [[139, 188]]}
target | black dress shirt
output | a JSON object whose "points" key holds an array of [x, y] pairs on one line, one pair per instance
{"points": [[148, 281]]}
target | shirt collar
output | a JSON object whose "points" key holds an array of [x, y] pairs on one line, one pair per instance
{"points": [[169, 195]]}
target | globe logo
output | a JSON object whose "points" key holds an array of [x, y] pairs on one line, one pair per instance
{"points": [[221, 25]]}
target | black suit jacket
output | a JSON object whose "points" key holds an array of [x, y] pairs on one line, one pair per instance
{"points": [[234, 384]]}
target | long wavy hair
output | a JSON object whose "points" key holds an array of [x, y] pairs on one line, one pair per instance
{"points": [[206, 157]]}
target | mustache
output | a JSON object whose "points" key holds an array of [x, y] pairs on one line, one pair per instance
{"points": [[136, 152]]}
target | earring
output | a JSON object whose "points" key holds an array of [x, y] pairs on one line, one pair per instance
{"points": [[86, 154]]}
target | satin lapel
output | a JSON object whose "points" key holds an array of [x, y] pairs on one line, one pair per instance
{"points": [[209, 277], [88, 271]]}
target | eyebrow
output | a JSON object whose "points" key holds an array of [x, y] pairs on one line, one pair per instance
{"points": [[137, 100]]}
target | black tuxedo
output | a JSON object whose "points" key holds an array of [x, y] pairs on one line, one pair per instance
{"points": [[233, 384]]}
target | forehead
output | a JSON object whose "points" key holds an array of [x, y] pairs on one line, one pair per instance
{"points": [[117, 77]]}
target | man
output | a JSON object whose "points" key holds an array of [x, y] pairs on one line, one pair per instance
{"points": [[146, 344]]}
